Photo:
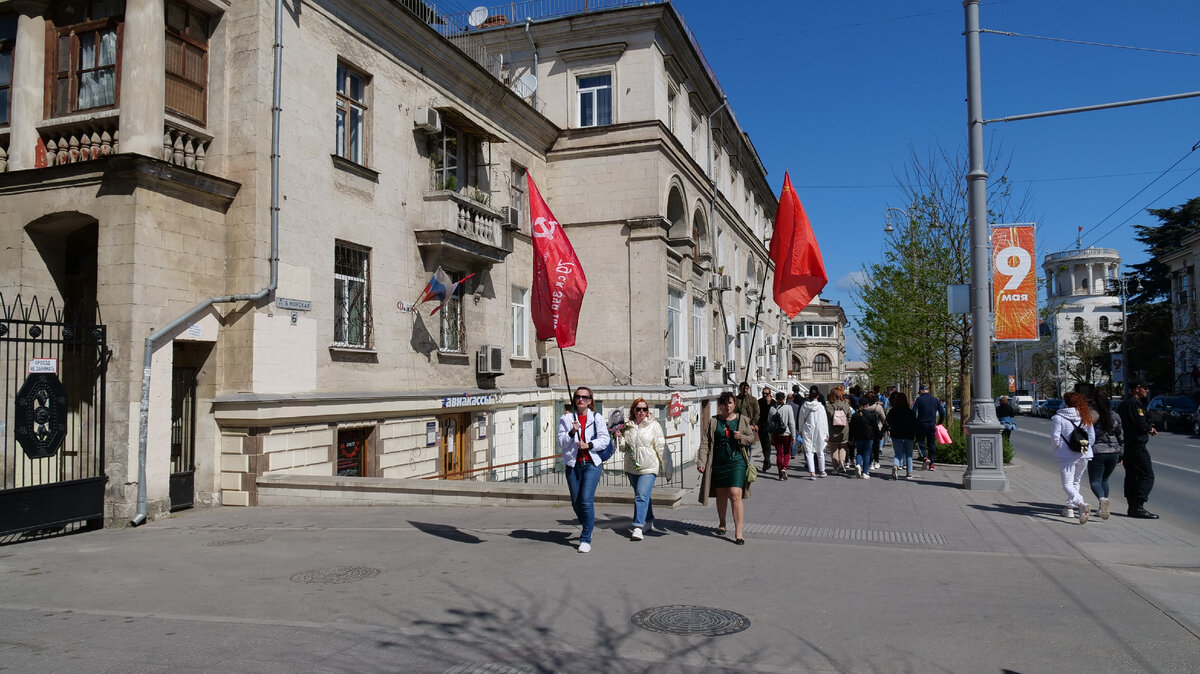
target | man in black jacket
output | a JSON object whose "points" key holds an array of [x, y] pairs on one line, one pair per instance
{"points": [[764, 438], [929, 412], [1139, 473]]}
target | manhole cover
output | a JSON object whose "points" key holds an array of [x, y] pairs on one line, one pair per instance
{"points": [[236, 541], [691, 620], [338, 574]]}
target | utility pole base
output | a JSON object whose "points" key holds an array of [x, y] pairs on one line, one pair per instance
{"points": [[985, 450]]}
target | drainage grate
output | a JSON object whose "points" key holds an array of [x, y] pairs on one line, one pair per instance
{"points": [[236, 541], [699, 621], [862, 535], [336, 575]]}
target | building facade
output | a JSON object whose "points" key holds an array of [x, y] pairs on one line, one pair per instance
{"points": [[255, 270], [1185, 338], [818, 345]]}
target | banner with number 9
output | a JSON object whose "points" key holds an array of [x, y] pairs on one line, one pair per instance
{"points": [[1014, 283]]}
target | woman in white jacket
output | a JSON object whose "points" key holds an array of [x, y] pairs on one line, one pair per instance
{"points": [[642, 443], [813, 425], [1072, 463]]}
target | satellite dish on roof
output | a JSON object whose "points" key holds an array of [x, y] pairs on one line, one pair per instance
{"points": [[477, 16], [529, 81]]}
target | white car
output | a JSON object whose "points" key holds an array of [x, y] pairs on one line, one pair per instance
{"points": [[1023, 404]]}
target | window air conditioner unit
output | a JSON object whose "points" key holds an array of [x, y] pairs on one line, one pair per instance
{"points": [[701, 363], [428, 120], [549, 367], [730, 367], [744, 324], [676, 368], [512, 217], [721, 282], [490, 360]]}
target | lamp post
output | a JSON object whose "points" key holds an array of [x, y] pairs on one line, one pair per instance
{"points": [[985, 454]]}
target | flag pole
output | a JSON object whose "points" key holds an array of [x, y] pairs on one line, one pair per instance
{"points": [[562, 356], [762, 288]]}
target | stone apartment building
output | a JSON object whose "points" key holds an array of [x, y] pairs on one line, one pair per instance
{"points": [[253, 278], [1185, 318], [818, 345]]}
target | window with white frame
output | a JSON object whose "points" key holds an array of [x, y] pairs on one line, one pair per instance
{"points": [[351, 114], [451, 337], [520, 322], [1104, 322], [8, 40], [351, 296], [672, 95], [460, 161], [595, 99], [802, 330], [516, 192], [698, 330], [695, 135], [674, 324], [444, 155]]}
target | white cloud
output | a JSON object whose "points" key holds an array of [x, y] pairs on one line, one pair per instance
{"points": [[851, 281]]}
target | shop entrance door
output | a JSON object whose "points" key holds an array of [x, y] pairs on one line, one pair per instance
{"points": [[454, 446], [352, 451]]}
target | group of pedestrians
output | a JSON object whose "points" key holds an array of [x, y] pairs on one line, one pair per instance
{"points": [[1092, 441]]}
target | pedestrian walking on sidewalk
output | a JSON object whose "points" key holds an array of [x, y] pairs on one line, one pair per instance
{"points": [[864, 426], [1139, 473], [783, 428], [813, 426], [747, 406], [930, 412], [582, 436], [1107, 450], [642, 444], [879, 408], [794, 400], [838, 413], [723, 461], [764, 436], [1073, 452], [902, 425]]}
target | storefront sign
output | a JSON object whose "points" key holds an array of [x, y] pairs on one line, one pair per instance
{"points": [[676, 405], [1014, 283], [469, 401], [430, 433]]}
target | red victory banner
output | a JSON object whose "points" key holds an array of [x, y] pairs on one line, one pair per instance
{"points": [[558, 279], [799, 269], [1014, 283]]}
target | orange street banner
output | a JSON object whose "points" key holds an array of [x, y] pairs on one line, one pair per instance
{"points": [[1014, 283]]}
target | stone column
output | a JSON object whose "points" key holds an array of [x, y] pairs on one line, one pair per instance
{"points": [[1091, 278], [28, 84], [1073, 280], [143, 78]]}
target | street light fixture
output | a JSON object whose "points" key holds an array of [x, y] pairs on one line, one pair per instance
{"points": [[887, 218], [1120, 285]]}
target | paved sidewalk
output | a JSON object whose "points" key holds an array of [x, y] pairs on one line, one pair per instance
{"points": [[837, 574]]}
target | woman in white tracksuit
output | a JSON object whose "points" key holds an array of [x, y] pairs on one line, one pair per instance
{"points": [[1072, 465], [813, 424]]}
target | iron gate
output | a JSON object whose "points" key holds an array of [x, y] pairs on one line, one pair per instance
{"points": [[52, 389]]}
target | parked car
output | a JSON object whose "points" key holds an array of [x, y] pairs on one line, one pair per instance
{"points": [[1023, 404], [1172, 413], [1049, 407]]}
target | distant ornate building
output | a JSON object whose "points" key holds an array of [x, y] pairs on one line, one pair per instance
{"points": [[819, 344]]}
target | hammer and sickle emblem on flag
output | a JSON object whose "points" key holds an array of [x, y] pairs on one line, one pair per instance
{"points": [[544, 228]]}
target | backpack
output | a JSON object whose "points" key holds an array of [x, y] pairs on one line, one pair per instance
{"points": [[1078, 439], [871, 418], [839, 418], [775, 425]]}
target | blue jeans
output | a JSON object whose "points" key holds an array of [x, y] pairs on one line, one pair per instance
{"points": [[582, 479], [863, 448], [902, 449], [643, 509], [1099, 468]]}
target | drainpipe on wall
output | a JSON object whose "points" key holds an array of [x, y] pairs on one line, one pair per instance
{"points": [[533, 47], [152, 340]]}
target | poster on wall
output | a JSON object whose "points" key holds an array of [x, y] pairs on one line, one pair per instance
{"points": [[1014, 283]]}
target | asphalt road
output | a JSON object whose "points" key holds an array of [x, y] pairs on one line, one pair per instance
{"points": [[1176, 471]]}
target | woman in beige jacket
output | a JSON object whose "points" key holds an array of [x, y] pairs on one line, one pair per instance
{"points": [[724, 459], [642, 443]]}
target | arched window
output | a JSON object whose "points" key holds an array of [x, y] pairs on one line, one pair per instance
{"points": [[1104, 322], [1079, 346], [751, 279], [1078, 324], [821, 363]]}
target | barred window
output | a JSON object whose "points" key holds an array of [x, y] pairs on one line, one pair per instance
{"points": [[452, 331], [351, 296], [187, 61], [83, 56]]}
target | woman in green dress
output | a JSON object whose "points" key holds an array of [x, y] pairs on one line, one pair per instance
{"points": [[723, 461]]}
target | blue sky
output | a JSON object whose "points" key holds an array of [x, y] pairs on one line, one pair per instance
{"points": [[840, 93]]}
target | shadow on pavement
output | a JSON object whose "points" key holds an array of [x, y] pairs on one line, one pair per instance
{"points": [[557, 537], [1049, 511], [447, 532]]}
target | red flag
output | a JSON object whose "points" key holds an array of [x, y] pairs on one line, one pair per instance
{"points": [[799, 270], [558, 279]]}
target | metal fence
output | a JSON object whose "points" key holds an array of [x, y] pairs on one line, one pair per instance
{"points": [[550, 470]]}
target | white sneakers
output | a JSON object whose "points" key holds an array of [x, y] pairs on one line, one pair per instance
{"points": [[585, 547], [1083, 514], [637, 533], [1103, 508], [858, 471]]}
